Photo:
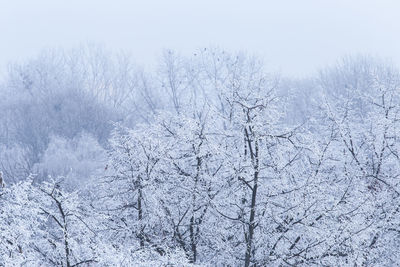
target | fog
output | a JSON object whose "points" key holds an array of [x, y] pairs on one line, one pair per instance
{"points": [[225, 133], [294, 37]]}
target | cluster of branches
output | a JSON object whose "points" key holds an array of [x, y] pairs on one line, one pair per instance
{"points": [[230, 166]]}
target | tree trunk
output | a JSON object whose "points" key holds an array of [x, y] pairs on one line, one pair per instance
{"points": [[140, 215], [250, 233], [193, 240]]}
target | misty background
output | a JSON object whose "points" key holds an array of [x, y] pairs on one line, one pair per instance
{"points": [[293, 37]]}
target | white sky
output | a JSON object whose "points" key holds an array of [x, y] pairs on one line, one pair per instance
{"points": [[296, 37]]}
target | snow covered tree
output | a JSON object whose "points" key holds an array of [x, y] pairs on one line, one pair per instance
{"points": [[128, 192]]}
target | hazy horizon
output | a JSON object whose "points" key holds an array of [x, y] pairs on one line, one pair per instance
{"points": [[294, 38]]}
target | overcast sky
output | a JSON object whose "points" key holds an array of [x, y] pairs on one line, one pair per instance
{"points": [[295, 37]]}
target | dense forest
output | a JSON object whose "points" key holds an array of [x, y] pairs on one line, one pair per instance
{"points": [[206, 160]]}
